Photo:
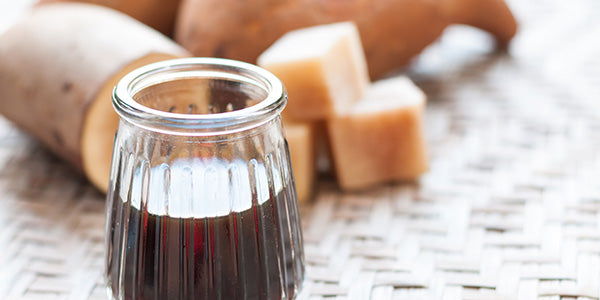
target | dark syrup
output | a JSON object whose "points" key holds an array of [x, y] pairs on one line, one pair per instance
{"points": [[244, 255]]}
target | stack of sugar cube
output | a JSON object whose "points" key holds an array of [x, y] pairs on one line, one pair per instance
{"points": [[374, 130]]}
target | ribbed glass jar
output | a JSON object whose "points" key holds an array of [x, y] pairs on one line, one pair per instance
{"points": [[202, 202]]}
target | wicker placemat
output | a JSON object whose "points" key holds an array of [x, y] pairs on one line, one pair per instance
{"points": [[509, 210]]}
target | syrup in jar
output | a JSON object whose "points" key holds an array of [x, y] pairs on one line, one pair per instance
{"points": [[202, 205]]}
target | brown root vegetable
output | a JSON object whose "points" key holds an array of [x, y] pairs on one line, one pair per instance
{"points": [[158, 14], [392, 31], [57, 69]]}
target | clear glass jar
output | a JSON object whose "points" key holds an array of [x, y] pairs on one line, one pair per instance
{"points": [[202, 202]]}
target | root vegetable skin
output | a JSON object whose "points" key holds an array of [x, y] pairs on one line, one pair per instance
{"points": [[101, 123], [55, 65], [158, 14], [392, 31]]}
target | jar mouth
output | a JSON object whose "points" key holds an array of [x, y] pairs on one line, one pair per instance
{"points": [[199, 96]]}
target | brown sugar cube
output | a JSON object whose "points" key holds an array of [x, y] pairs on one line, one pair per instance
{"points": [[300, 138], [322, 67], [380, 138]]}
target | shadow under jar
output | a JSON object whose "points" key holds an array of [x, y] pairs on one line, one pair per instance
{"points": [[202, 202]]}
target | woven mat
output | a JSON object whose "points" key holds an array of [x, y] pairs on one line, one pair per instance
{"points": [[509, 210]]}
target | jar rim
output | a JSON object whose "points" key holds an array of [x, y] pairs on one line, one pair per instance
{"points": [[198, 124]]}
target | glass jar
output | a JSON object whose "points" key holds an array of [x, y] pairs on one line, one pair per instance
{"points": [[202, 202]]}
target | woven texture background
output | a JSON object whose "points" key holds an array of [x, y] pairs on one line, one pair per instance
{"points": [[509, 210]]}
